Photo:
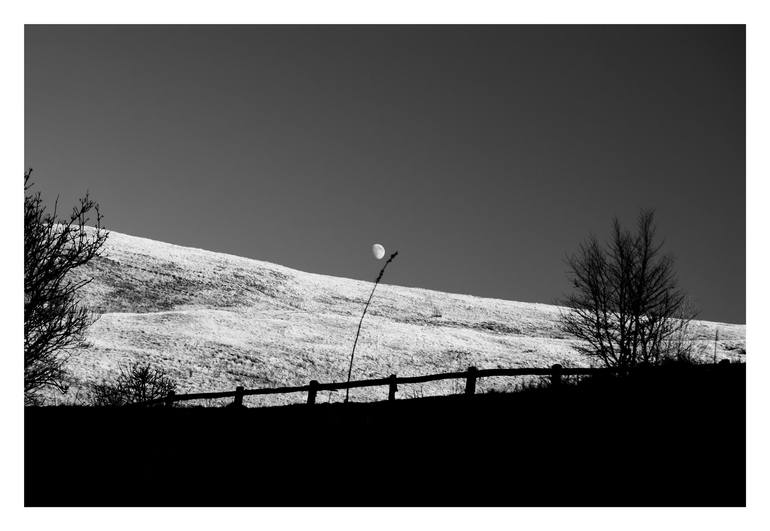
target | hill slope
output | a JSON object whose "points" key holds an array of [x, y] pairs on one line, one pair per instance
{"points": [[214, 321]]}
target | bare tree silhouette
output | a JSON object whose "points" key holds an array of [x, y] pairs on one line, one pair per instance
{"points": [[626, 306], [54, 321]]}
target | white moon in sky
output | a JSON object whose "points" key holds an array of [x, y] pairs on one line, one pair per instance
{"points": [[378, 251]]}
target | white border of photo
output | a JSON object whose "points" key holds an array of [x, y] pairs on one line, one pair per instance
{"points": [[754, 14]]}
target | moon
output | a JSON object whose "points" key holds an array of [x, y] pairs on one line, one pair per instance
{"points": [[378, 251]]}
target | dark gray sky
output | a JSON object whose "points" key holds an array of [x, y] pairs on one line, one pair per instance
{"points": [[484, 155]]}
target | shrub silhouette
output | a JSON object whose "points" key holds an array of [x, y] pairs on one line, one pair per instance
{"points": [[135, 384]]}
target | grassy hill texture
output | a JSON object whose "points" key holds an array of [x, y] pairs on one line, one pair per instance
{"points": [[214, 321]]}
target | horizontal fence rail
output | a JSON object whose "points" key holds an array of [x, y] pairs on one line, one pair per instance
{"points": [[555, 373]]}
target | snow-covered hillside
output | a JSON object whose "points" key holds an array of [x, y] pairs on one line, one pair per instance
{"points": [[214, 321]]}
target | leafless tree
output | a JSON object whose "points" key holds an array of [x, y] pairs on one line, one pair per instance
{"points": [[54, 321], [626, 307], [136, 383]]}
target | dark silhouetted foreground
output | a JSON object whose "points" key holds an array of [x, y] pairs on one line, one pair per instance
{"points": [[668, 437]]}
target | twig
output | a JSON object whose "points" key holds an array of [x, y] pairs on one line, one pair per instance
{"points": [[379, 277]]}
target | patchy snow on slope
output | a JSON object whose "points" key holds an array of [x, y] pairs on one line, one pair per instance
{"points": [[215, 321]]}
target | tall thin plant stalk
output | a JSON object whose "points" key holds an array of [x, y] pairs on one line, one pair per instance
{"points": [[358, 332]]}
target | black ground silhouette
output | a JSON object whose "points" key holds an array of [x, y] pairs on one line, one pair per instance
{"points": [[661, 437]]}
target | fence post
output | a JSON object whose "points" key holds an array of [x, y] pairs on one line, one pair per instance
{"points": [[470, 382], [238, 399], [392, 388], [556, 375], [312, 392], [170, 399]]}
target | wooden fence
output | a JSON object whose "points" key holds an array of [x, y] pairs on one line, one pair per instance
{"points": [[555, 374], [470, 376]]}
